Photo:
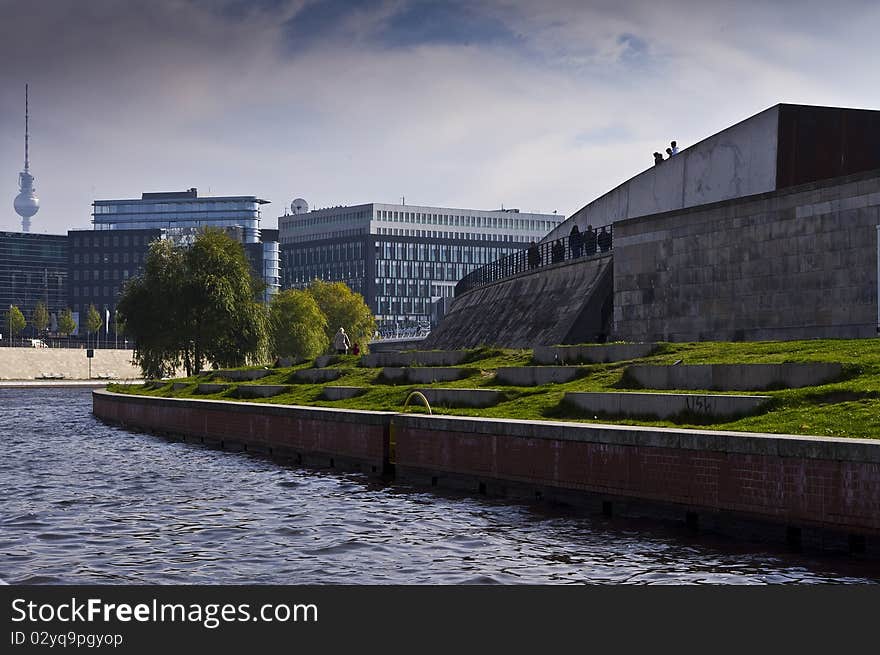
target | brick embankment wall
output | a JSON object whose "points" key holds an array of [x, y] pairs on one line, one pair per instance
{"points": [[821, 492], [350, 439], [829, 488], [799, 263]]}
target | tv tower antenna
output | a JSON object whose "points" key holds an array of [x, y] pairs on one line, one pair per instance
{"points": [[26, 202]]}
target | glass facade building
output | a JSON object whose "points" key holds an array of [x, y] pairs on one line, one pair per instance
{"points": [[33, 268], [180, 209], [402, 258]]}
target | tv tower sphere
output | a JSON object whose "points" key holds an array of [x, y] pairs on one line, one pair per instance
{"points": [[26, 202]]}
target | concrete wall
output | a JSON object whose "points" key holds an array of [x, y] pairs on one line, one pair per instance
{"points": [[414, 358], [533, 376], [663, 405], [735, 377], [526, 310], [316, 375], [462, 397], [735, 162], [594, 354], [792, 264], [72, 363]]}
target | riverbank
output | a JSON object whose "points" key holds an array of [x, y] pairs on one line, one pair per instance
{"points": [[806, 492], [848, 405]]}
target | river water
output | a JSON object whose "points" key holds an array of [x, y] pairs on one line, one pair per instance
{"points": [[82, 502]]}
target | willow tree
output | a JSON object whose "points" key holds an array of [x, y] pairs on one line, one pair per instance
{"points": [[297, 326], [194, 305], [344, 309]]}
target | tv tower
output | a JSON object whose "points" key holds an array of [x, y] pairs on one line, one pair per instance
{"points": [[26, 202]]}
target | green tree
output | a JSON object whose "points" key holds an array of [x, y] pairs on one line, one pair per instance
{"points": [[40, 319], [194, 305], [93, 320], [14, 321], [297, 326], [344, 309], [66, 324], [150, 306]]}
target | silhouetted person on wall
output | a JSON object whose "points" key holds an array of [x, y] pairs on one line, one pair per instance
{"points": [[604, 240], [590, 241], [534, 257], [658, 158], [674, 148], [557, 252], [575, 241], [669, 152]]}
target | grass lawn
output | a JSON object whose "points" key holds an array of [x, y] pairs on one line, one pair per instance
{"points": [[848, 407]]}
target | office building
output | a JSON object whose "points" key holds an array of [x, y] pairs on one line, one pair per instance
{"points": [[102, 259], [33, 268], [402, 258]]}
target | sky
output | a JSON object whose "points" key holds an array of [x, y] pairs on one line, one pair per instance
{"points": [[543, 106]]}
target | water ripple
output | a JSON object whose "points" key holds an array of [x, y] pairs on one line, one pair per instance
{"points": [[82, 502]]}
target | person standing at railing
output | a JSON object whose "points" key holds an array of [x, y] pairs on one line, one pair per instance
{"points": [[557, 252], [604, 240], [590, 241], [575, 242], [534, 257]]}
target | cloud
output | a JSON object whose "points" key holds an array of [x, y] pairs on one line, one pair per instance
{"points": [[538, 105]]}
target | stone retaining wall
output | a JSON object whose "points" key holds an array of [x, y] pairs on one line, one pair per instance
{"points": [[800, 263]]}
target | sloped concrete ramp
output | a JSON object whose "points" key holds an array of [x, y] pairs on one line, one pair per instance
{"points": [[564, 303]]}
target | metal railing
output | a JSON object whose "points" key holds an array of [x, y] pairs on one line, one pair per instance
{"points": [[577, 246]]}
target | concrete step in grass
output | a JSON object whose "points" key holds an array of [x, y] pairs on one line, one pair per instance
{"points": [[663, 405], [177, 386], [238, 376], [734, 377], [211, 387], [324, 361], [414, 358], [260, 390], [535, 376], [423, 374], [596, 354], [462, 397], [316, 375], [341, 393]]}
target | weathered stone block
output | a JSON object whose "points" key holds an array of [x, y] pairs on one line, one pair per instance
{"points": [[664, 405]]}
